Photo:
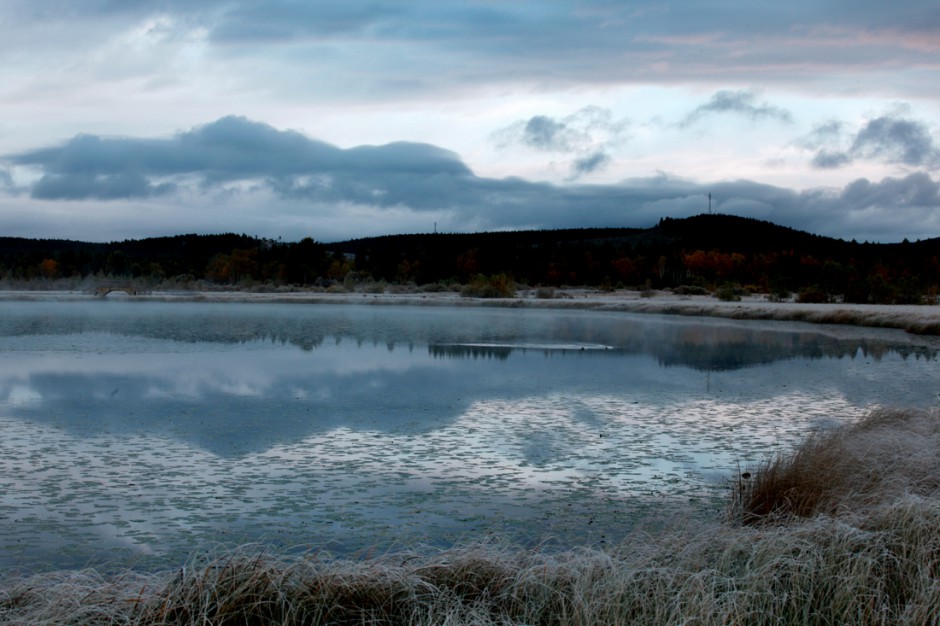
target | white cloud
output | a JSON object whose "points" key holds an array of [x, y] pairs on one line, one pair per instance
{"points": [[574, 92]]}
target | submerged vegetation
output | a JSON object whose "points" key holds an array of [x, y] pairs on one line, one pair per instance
{"points": [[719, 254], [843, 530]]}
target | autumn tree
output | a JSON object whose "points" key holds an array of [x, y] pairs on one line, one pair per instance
{"points": [[49, 268]]}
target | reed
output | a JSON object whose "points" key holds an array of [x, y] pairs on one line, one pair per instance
{"points": [[849, 469], [845, 530]]}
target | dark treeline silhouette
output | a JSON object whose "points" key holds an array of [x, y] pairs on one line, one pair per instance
{"points": [[719, 254]]}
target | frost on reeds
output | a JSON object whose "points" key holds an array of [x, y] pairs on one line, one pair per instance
{"points": [[862, 548], [849, 469]]}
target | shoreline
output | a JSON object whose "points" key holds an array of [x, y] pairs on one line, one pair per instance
{"points": [[875, 552], [911, 318], [859, 549]]}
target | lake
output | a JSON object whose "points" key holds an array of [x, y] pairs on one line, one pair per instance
{"points": [[145, 433]]}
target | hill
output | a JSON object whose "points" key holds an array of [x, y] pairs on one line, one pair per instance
{"points": [[705, 252]]}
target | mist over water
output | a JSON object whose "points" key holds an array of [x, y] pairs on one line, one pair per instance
{"points": [[145, 432]]}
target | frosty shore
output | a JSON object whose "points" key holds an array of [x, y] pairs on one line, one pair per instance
{"points": [[916, 319]]}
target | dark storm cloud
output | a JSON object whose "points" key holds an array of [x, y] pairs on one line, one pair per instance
{"points": [[100, 187], [888, 210], [888, 139], [582, 131], [824, 139], [863, 209], [826, 160], [915, 190], [590, 163], [231, 149], [586, 135], [742, 103], [544, 133], [824, 134], [895, 141], [302, 173]]}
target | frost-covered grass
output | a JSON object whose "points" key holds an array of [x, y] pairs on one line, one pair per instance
{"points": [[916, 319], [845, 530], [848, 470]]}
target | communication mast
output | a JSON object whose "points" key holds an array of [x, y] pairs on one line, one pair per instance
{"points": [[709, 203]]}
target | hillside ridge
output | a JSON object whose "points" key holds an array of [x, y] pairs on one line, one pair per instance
{"points": [[705, 252]]}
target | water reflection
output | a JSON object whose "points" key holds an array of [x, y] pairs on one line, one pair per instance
{"points": [[688, 342], [221, 376], [158, 428], [503, 351]]}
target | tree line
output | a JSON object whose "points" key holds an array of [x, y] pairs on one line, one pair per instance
{"points": [[719, 254]]}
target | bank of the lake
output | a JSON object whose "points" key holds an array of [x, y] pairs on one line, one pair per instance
{"points": [[863, 552], [867, 552], [915, 319]]}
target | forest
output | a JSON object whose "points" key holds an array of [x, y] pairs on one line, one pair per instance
{"points": [[708, 254]]}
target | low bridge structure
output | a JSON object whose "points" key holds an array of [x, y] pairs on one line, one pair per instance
{"points": [[104, 290]]}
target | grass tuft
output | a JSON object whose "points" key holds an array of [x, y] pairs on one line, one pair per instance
{"points": [[844, 530], [851, 468]]}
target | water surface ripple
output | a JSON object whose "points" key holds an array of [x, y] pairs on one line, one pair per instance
{"points": [[146, 432]]}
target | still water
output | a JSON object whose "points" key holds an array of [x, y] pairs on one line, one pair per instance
{"points": [[145, 433]]}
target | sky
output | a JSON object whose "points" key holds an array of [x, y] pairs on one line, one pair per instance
{"points": [[337, 119]]}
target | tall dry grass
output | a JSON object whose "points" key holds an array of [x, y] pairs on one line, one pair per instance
{"points": [[863, 549], [850, 469]]}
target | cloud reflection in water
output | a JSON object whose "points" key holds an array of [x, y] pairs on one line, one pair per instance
{"points": [[161, 429]]}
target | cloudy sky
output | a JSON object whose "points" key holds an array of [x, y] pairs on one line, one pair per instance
{"points": [[337, 119]]}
